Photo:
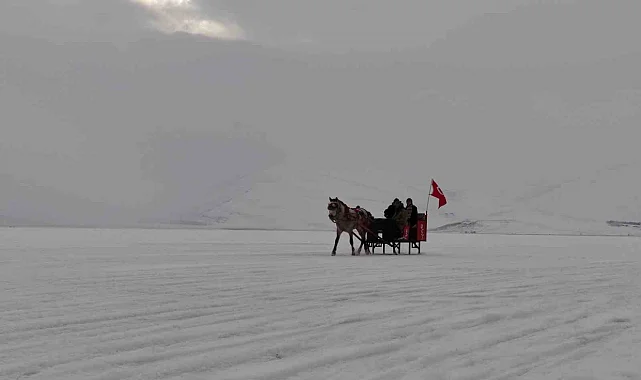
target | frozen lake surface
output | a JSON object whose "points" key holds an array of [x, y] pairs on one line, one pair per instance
{"points": [[197, 304]]}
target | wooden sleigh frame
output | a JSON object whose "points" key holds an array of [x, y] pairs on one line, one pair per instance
{"points": [[374, 240]]}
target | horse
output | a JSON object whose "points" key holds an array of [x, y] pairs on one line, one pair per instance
{"points": [[348, 219]]}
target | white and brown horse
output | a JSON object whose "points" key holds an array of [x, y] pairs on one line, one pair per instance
{"points": [[348, 219]]}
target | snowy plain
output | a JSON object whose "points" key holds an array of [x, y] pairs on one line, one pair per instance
{"points": [[203, 304]]}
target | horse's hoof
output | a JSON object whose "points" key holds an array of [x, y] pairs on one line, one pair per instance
{"points": [[333, 253]]}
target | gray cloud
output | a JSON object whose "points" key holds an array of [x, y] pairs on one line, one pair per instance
{"points": [[341, 25], [332, 25]]}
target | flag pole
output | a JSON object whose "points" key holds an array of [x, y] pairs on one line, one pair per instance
{"points": [[428, 197]]}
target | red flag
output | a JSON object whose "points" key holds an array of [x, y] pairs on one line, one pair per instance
{"points": [[438, 193]]}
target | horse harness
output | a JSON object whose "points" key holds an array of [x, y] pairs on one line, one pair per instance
{"points": [[350, 214]]}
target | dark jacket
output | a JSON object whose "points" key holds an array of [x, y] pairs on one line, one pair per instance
{"points": [[389, 212], [413, 215]]}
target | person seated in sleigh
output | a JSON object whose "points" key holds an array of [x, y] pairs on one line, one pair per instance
{"points": [[412, 218]]}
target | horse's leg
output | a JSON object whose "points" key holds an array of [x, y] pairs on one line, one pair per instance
{"points": [[365, 238], [351, 241], [367, 233], [338, 235], [362, 234]]}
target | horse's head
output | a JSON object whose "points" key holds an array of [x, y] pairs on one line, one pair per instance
{"points": [[334, 207]]}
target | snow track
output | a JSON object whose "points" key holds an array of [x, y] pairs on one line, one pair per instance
{"points": [[182, 304]]}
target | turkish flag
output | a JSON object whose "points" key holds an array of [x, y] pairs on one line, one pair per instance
{"points": [[438, 193]]}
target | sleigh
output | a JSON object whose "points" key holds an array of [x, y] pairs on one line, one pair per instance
{"points": [[376, 239]]}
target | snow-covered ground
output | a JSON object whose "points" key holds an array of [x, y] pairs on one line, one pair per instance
{"points": [[200, 304]]}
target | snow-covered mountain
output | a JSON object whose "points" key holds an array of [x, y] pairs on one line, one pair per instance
{"points": [[181, 130], [294, 197]]}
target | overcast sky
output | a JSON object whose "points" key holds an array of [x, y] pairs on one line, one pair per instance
{"points": [[108, 114], [316, 25]]}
